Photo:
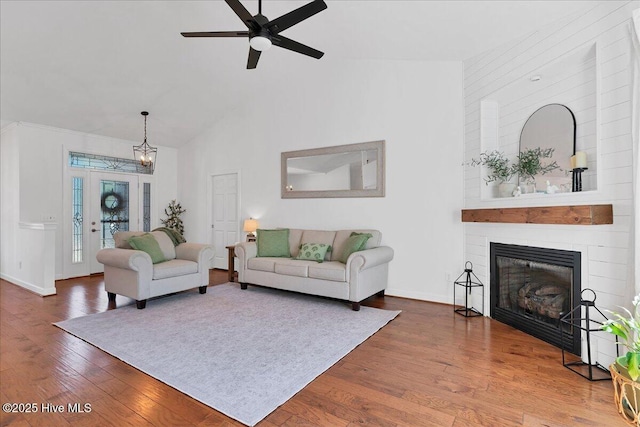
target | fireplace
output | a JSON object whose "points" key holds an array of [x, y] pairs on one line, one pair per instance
{"points": [[532, 288]]}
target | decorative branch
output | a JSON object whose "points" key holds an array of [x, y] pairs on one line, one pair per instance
{"points": [[173, 212], [499, 166]]}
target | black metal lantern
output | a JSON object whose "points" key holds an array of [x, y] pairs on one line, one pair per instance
{"points": [[572, 322], [468, 280], [144, 153]]}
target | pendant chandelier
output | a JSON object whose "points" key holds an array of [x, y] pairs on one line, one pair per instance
{"points": [[144, 153]]}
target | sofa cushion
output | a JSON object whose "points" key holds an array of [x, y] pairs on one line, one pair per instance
{"points": [[148, 243], [356, 242], [262, 264], [343, 235], [291, 267], [121, 238], [273, 243], [173, 268], [332, 270], [166, 244], [313, 251], [319, 236], [295, 235]]}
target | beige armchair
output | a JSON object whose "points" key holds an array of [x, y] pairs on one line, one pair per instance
{"points": [[131, 273]]}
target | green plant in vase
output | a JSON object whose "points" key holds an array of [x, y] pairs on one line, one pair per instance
{"points": [[529, 164], [626, 369], [627, 328], [500, 170]]}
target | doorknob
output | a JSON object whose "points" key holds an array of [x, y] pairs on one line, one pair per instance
{"points": [[93, 230]]}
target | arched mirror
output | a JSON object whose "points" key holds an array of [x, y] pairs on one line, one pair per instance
{"points": [[552, 126]]}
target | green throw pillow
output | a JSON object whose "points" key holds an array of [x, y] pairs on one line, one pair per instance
{"points": [[313, 251], [147, 243], [356, 242], [273, 243]]}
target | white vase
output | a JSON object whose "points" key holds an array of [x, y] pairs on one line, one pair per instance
{"points": [[505, 189]]}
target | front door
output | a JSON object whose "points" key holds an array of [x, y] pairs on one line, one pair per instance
{"points": [[114, 207]]}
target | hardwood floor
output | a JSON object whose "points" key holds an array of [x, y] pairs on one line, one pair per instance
{"points": [[428, 367]]}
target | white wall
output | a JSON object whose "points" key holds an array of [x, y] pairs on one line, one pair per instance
{"points": [[35, 254], [605, 249], [34, 157], [9, 199], [414, 106]]}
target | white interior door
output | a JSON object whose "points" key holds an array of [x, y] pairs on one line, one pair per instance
{"points": [[113, 207], [224, 225]]}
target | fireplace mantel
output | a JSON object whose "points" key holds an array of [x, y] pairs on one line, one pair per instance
{"points": [[565, 215]]}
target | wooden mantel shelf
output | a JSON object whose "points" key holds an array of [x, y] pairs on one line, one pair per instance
{"points": [[571, 215]]}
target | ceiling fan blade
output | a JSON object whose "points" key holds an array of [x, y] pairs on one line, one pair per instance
{"points": [[241, 11], [216, 34], [292, 18], [254, 55], [295, 46]]}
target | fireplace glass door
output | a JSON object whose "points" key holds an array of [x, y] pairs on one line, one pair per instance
{"points": [[537, 290], [533, 288]]}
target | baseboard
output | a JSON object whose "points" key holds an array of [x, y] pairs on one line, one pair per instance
{"points": [[422, 296], [29, 286]]}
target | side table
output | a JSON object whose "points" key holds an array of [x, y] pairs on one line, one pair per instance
{"points": [[231, 265]]}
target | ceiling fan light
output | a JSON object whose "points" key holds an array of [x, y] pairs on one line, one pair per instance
{"points": [[260, 43]]}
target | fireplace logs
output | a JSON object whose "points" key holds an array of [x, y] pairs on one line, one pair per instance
{"points": [[544, 299]]}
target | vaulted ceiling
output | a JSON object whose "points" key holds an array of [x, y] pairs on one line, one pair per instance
{"points": [[93, 66]]}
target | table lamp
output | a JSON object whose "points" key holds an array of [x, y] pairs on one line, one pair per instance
{"points": [[250, 226]]}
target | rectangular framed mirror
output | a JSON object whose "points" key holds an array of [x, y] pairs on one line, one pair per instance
{"points": [[352, 170]]}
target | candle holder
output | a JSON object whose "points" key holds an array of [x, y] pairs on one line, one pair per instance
{"points": [[468, 280], [577, 179], [574, 321]]}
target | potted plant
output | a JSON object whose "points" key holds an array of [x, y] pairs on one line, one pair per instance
{"points": [[529, 164], [500, 171], [173, 220], [626, 369]]}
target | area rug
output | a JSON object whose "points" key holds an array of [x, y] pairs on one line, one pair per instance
{"points": [[242, 352]]}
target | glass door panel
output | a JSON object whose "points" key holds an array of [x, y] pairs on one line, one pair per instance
{"points": [[146, 206], [114, 210], [114, 207], [77, 220]]}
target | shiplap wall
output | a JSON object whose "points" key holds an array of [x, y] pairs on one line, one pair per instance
{"points": [[571, 82], [605, 249]]}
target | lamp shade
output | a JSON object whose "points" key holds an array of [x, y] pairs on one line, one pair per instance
{"points": [[250, 225]]}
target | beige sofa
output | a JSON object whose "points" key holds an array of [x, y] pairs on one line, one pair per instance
{"points": [[130, 272], [363, 275]]}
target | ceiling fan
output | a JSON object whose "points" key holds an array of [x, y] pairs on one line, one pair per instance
{"points": [[263, 33]]}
